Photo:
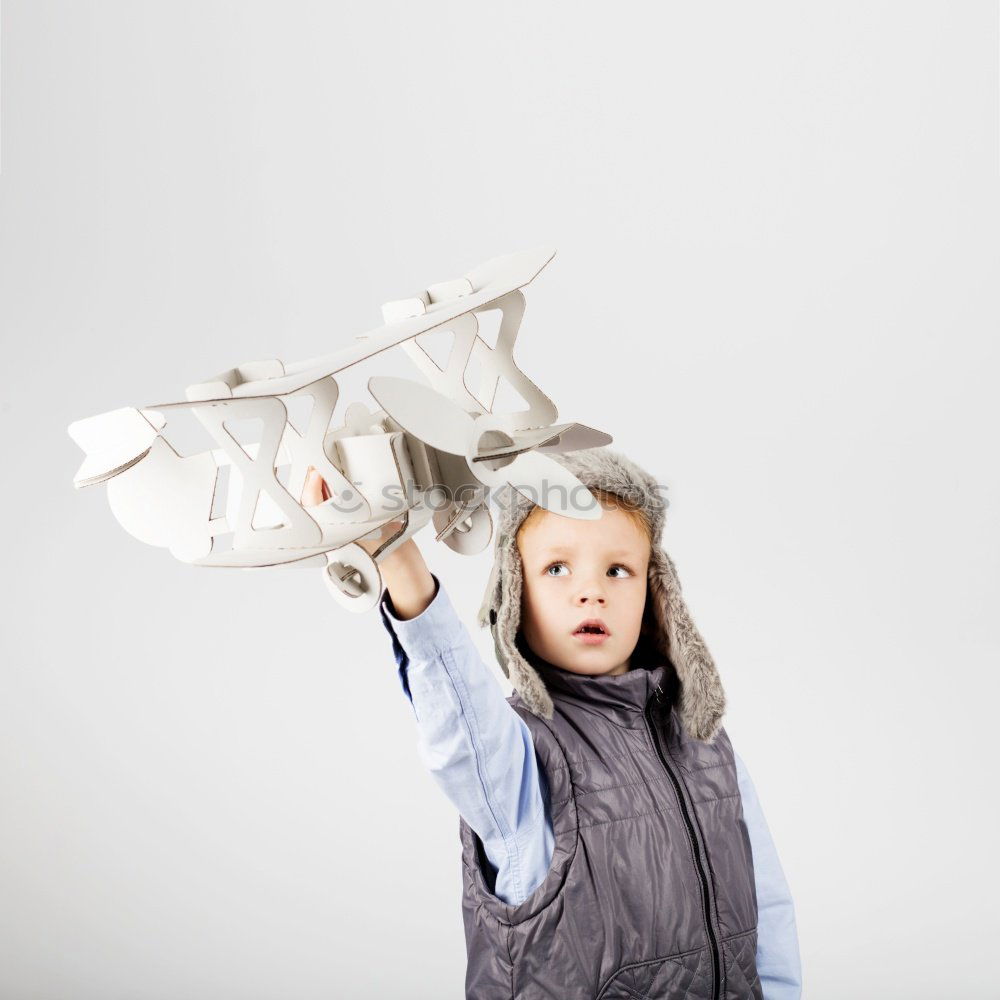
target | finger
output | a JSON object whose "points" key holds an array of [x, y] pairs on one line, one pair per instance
{"points": [[312, 491]]}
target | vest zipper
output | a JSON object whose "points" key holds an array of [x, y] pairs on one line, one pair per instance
{"points": [[703, 878]]}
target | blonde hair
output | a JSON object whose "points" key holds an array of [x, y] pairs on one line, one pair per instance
{"points": [[607, 499]]}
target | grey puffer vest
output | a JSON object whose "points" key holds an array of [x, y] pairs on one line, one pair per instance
{"points": [[650, 893]]}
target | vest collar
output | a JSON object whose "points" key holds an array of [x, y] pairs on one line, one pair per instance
{"points": [[621, 697]]}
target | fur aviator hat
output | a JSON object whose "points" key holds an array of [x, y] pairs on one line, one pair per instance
{"points": [[668, 627]]}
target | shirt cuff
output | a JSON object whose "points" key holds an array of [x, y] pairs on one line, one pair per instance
{"points": [[437, 628]]}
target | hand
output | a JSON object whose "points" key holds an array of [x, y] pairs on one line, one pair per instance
{"points": [[406, 575], [315, 491]]}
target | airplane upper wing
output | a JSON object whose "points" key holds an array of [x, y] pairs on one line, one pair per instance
{"points": [[489, 281]]}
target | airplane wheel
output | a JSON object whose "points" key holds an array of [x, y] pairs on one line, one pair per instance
{"points": [[353, 578]]}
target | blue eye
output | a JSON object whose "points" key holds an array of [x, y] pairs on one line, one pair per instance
{"points": [[626, 570]]}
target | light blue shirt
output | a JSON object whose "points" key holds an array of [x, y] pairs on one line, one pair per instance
{"points": [[480, 752]]}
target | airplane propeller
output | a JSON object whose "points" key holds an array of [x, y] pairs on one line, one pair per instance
{"points": [[495, 454]]}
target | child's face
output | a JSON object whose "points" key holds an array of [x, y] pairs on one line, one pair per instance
{"points": [[574, 570]]}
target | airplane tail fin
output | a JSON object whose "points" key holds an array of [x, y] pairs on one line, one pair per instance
{"points": [[113, 442]]}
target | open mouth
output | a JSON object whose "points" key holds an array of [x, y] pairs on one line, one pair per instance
{"points": [[592, 630]]}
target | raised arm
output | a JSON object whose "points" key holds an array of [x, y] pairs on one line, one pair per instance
{"points": [[778, 963], [475, 745]]}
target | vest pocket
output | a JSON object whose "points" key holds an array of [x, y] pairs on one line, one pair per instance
{"points": [[682, 977]]}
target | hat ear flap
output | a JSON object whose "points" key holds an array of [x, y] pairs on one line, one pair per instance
{"points": [[491, 597], [702, 698], [501, 610]]}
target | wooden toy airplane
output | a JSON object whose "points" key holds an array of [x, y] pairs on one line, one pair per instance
{"points": [[430, 452]]}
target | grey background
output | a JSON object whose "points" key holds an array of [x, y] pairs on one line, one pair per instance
{"points": [[776, 288]]}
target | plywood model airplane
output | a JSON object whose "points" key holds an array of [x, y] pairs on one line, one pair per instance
{"points": [[429, 452]]}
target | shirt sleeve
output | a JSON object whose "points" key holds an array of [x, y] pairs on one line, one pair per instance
{"points": [[477, 748], [778, 962]]}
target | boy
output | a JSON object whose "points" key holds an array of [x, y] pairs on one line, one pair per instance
{"points": [[612, 843]]}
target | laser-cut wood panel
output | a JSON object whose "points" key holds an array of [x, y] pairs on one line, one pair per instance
{"points": [[413, 452]]}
